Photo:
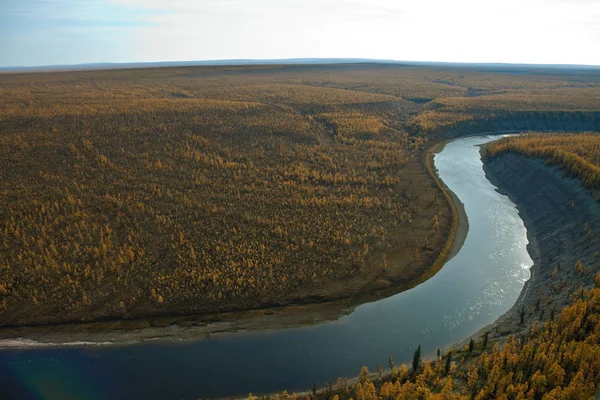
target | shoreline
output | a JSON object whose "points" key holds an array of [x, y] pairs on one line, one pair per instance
{"points": [[460, 219], [554, 209], [201, 326]]}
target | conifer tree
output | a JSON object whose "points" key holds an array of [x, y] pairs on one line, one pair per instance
{"points": [[416, 363]]}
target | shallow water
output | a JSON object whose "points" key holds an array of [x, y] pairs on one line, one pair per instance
{"points": [[474, 288]]}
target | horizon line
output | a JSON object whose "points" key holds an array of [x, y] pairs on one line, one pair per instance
{"points": [[107, 65]]}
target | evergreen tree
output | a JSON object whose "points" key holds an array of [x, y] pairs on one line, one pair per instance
{"points": [[448, 362], [416, 360]]}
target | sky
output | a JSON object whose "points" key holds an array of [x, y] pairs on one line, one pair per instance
{"points": [[59, 32]]}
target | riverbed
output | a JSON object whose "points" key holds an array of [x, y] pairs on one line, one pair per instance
{"points": [[480, 283]]}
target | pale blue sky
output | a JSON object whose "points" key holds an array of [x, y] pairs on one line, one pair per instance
{"points": [[46, 32]]}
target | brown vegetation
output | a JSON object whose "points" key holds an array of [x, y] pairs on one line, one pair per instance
{"points": [[134, 195], [184, 190]]}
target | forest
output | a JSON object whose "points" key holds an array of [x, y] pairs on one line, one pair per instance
{"points": [[129, 193]]}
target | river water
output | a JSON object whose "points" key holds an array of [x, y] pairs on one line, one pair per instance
{"points": [[475, 287]]}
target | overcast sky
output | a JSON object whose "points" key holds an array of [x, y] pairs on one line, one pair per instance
{"points": [[46, 32]]}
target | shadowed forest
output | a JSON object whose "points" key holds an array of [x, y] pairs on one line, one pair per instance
{"points": [[168, 191], [576, 154]]}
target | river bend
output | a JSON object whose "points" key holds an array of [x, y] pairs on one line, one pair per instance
{"points": [[473, 289]]}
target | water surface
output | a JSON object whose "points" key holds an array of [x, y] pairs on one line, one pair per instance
{"points": [[479, 284]]}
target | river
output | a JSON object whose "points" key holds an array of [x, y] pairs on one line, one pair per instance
{"points": [[474, 288]]}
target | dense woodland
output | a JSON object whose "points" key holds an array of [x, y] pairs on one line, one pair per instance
{"points": [[182, 190], [576, 154], [136, 195]]}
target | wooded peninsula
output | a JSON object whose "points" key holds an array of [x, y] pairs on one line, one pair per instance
{"points": [[166, 191]]}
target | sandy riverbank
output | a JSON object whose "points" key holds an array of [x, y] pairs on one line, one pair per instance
{"points": [[457, 207]]}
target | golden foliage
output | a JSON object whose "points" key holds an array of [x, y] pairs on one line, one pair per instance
{"points": [[133, 195]]}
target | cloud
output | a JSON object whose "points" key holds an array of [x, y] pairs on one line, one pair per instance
{"points": [[40, 14], [336, 9], [545, 31]]}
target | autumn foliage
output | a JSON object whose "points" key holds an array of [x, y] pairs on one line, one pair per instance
{"points": [[131, 193]]}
